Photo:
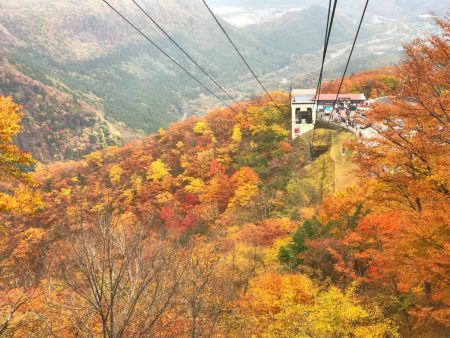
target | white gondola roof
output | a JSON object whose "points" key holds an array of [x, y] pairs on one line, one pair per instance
{"points": [[303, 99], [303, 95]]}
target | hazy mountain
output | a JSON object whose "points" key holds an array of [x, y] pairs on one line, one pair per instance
{"points": [[84, 50], [293, 32], [57, 126], [266, 3], [89, 49], [387, 7]]}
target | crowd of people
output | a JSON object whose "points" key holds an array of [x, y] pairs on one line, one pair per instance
{"points": [[348, 115]]}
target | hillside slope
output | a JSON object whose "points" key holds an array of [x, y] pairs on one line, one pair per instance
{"points": [[56, 126], [98, 54], [90, 50], [197, 171], [221, 226], [222, 193], [373, 83]]}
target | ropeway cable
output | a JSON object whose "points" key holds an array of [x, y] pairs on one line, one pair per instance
{"points": [[168, 56], [346, 67], [185, 52]]}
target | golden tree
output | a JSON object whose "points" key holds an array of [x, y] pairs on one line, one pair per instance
{"points": [[17, 195], [15, 183]]}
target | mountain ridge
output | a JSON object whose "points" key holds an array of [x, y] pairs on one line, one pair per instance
{"points": [[57, 126], [86, 51]]}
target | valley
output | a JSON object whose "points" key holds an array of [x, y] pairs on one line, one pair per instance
{"points": [[84, 50], [133, 204]]}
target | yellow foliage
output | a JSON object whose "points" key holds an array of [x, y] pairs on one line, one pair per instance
{"points": [[66, 192], [275, 305], [158, 171], [265, 118], [115, 173], [23, 201], [245, 260], [184, 162], [224, 154], [279, 130], [16, 186], [95, 159], [307, 212], [245, 181], [271, 254], [32, 237], [162, 133], [136, 182], [9, 119], [236, 137], [99, 207], [339, 314], [292, 306], [129, 194], [201, 128], [259, 128], [195, 186], [211, 187]]}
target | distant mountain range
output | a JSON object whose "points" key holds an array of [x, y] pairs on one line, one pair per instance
{"points": [[385, 7], [82, 49]]}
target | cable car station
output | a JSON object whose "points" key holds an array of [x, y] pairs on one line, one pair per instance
{"points": [[307, 108]]}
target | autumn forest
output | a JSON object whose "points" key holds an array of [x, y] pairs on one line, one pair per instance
{"points": [[221, 225]]}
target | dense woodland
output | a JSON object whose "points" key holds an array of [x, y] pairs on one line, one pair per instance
{"points": [[221, 226], [373, 83], [56, 126], [82, 48]]}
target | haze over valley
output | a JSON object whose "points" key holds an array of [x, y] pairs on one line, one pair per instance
{"points": [[84, 51]]}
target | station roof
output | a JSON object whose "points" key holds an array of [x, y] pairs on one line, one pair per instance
{"points": [[351, 96], [308, 95]]}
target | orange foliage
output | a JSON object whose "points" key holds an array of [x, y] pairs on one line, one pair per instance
{"points": [[245, 185], [266, 232], [373, 83], [16, 185], [152, 177], [404, 243]]}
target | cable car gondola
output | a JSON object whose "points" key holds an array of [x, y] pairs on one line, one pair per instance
{"points": [[304, 111]]}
